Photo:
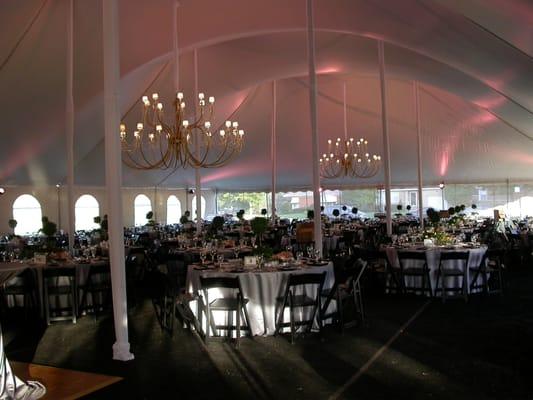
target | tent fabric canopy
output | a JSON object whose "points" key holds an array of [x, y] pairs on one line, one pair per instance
{"points": [[473, 61]]}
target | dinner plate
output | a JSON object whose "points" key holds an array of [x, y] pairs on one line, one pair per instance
{"points": [[317, 264]]}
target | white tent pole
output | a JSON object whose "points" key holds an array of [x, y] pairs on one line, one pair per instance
{"points": [[59, 223], [344, 110], [386, 142], [216, 201], [197, 175], [69, 114], [314, 125], [155, 204], [175, 47], [419, 154], [273, 150], [113, 169]]}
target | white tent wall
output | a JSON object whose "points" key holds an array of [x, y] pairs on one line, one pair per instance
{"points": [[48, 199]]}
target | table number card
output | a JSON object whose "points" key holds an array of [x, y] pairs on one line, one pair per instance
{"points": [[250, 261], [39, 258]]}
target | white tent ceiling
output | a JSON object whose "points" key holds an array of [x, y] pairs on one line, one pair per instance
{"points": [[473, 60]]}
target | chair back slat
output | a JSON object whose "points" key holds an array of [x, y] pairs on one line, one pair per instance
{"points": [[99, 269], [454, 255], [412, 255], [223, 282], [306, 279], [53, 272]]}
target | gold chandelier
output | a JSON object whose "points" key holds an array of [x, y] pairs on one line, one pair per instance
{"points": [[160, 144], [348, 158]]}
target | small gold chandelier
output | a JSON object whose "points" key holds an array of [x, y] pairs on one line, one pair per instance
{"points": [[160, 144], [348, 158]]}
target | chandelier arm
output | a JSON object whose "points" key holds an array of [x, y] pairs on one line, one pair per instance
{"points": [[223, 159], [150, 164]]}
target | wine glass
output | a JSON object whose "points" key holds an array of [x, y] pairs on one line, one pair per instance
{"points": [[220, 258], [213, 253], [203, 256], [236, 251], [289, 248], [310, 251]]}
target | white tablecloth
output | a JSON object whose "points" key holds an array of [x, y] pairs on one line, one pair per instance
{"points": [[433, 257], [9, 270], [262, 289]]}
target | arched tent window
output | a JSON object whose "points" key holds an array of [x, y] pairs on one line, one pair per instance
{"points": [[27, 212], [85, 209], [193, 207], [142, 206], [173, 210]]}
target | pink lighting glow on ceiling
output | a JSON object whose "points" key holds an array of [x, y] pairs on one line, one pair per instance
{"points": [[24, 154], [490, 102], [327, 70], [444, 162]]}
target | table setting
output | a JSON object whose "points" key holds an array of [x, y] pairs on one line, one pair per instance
{"points": [[263, 283]]}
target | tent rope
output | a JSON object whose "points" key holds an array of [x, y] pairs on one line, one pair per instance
{"points": [[23, 36]]}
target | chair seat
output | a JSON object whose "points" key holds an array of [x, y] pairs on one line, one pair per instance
{"points": [[226, 304]]}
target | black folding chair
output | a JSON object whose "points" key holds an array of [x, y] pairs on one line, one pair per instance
{"points": [[301, 283], [347, 289], [98, 286], [413, 264], [491, 269], [231, 301], [54, 285], [25, 285], [453, 264]]}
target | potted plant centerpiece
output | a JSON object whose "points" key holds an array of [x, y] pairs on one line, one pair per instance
{"points": [[12, 224]]}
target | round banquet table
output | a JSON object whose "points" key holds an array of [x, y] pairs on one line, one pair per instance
{"points": [[433, 257], [262, 288]]}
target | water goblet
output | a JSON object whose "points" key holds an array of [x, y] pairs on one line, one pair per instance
{"points": [[310, 251], [289, 248], [213, 254]]}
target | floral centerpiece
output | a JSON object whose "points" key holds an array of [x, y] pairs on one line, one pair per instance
{"points": [[438, 237]]}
